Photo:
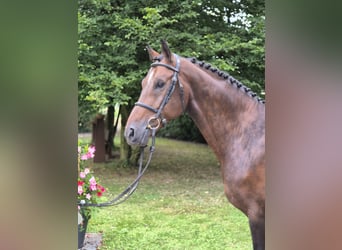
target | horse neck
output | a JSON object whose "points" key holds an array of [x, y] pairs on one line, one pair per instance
{"points": [[223, 113]]}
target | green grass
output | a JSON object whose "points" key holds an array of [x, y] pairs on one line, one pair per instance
{"points": [[179, 204]]}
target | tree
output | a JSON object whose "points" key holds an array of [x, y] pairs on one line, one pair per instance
{"points": [[113, 36]]}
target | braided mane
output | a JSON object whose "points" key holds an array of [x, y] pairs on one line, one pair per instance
{"points": [[228, 78]]}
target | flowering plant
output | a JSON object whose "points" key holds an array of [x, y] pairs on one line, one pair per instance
{"points": [[88, 188]]}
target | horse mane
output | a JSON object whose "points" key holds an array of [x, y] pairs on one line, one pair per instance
{"points": [[228, 78]]}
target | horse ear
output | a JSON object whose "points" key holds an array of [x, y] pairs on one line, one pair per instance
{"points": [[166, 51], [152, 53]]}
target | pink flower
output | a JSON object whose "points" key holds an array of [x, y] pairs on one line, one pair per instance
{"points": [[90, 154], [88, 196], [84, 157], [82, 175], [91, 151], [92, 181], [80, 190], [86, 171]]}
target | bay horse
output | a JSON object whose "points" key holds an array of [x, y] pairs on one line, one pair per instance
{"points": [[229, 115]]}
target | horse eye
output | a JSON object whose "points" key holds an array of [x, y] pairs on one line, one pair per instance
{"points": [[160, 84]]}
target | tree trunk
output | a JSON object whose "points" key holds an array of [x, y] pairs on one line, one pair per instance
{"points": [[116, 122], [125, 149], [111, 132], [98, 135]]}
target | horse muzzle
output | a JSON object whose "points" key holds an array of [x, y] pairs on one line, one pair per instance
{"points": [[137, 135]]}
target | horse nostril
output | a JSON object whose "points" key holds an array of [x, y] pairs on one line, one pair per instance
{"points": [[131, 133]]}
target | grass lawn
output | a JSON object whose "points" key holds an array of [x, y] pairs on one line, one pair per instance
{"points": [[179, 204]]}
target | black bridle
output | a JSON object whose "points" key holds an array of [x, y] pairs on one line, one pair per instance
{"points": [[155, 121]]}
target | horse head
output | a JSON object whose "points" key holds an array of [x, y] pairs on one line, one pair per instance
{"points": [[162, 98]]}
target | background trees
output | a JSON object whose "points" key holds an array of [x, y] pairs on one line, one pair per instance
{"points": [[113, 36]]}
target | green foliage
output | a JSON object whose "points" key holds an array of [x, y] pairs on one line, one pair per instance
{"points": [[113, 36]]}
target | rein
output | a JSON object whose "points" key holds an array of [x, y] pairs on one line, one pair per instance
{"points": [[124, 195]]}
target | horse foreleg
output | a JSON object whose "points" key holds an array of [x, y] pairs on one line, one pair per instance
{"points": [[258, 233]]}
